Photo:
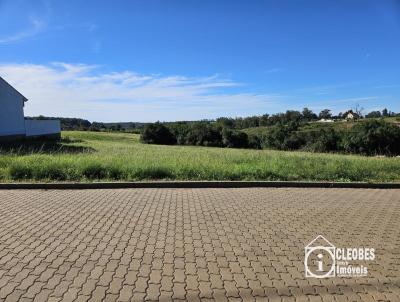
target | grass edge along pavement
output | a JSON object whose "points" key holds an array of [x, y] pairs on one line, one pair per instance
{"points": [[193, 185], [93, 156]]}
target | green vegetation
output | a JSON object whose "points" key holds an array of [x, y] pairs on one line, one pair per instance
{"points": [[78, 124], [238, 123], [157, 134], [92, 156], [368, 137]]}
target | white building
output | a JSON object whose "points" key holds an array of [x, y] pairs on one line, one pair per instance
{"points": [[350, 115], [12, 121]]}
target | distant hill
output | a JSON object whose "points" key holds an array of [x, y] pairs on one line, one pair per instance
{"points": [[315, 125], [125, 125], [250, 125], [82, 124]]}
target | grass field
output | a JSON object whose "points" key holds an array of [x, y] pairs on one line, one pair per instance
{"points": [[91, 156]]}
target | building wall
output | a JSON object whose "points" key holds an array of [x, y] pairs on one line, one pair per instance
{"points": [[11, 111], [42, 127]]}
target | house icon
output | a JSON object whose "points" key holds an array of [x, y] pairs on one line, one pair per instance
{"points": [[321, 249]]}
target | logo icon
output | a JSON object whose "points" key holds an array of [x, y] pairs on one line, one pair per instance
{"points": [[319, 258], [323, 260]]}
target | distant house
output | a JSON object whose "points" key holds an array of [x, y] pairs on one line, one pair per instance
{"points": [[12, 121], [350, 115]]}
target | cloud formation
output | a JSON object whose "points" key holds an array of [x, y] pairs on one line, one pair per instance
{"points": [[36, 26], [80, 90]]}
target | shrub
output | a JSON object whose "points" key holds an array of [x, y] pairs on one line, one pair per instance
{"points": [[293, 142], [254, 141], [282, 137], [323, 140], [274, 137], [157, 134], [180, 131], [234, 139], [373, 137], [203, 134], [374, 114]]}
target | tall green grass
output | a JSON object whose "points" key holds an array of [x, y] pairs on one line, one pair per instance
{"points": [[120, 157]]}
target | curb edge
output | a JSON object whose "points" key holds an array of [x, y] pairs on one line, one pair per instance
{"points": [[195, 184]]}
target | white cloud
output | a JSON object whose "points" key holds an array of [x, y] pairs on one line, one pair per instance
{"points": [[80, 90], [36, 26]]}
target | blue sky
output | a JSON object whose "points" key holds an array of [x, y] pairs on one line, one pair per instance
{"points": [[185, 59]]}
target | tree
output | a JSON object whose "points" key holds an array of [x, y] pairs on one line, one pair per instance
{"points": [[157, 134], [308, 115], [251, 121], [292, 116], [264, 120], [385, 112], [374, 114], [373, 137], [283, 137], [323, 140], [203, 134], [275, 137], [234, 139], [277, 118], [225, 122], [325, 114], [358, 110]]}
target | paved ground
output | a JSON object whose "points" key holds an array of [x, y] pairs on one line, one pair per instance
{"points": [[191, 244]]}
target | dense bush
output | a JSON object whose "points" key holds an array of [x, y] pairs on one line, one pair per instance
{"points": [[157, 134], [254, 141], [203, 134], [293, 141], [322, 140], [234, 139], [369, 137], [274, 137], [373, 137], [283, 137], [180, 131]]}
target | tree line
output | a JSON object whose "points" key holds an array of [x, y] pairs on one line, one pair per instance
{"points": [[286, 131], [306, 115], [372, 137], [78, 124]]}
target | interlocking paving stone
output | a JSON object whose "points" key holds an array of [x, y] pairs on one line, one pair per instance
{"points": [[242, 244]]}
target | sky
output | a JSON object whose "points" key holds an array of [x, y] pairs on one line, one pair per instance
{"points": [[147, 60]]}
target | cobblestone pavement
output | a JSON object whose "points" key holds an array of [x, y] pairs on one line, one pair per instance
{"points": [[193, 244]]}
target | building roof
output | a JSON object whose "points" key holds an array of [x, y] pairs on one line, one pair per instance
{"points": [[348, 112], [23, 97]]}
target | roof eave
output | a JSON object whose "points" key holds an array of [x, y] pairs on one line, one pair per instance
{"points": [[23, 98]]}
